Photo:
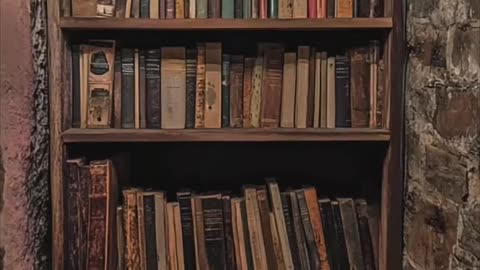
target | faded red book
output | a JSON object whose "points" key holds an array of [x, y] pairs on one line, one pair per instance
{"points": [[312, 8]]}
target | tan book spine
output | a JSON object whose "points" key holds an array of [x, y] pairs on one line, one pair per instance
{"points": [[331, 92], [317, 95], [272, 86], [83, 85], [137, 88], [239, 260], [141, 231], [248, 91], [192, 6], [172, 248], [256, 101], [300, 9], [285, 9], [254, 229], [213, 83], [84, 8], [287, 117], [317, 226], [173, 88], [154, 4], [200, 88], [344, 9], [323, 90], [301, 99], [128, 8], [373, 55], [161, 230], [276, 243], [280, 222], [179, 9], [178, 236], [132, 254]]}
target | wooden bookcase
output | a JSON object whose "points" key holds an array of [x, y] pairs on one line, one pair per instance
{"points": [[374, 157]]}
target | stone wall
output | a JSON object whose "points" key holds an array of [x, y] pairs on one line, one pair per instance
{"points": [[442, 199], [24, 153]]}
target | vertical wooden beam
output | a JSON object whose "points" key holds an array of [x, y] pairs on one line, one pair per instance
{"points": [[56, 76]]}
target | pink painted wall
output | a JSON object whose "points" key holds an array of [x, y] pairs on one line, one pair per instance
{"points": [[16, 95]]}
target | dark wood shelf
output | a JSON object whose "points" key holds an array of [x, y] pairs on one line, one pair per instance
{"points": [[224, 135], [70, 23]]}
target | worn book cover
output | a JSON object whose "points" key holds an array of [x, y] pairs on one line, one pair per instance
{"points": [[360, 84], [213, 85], [173, 88], [287, 116], [247, 91], [236, 91], [272, 86]]}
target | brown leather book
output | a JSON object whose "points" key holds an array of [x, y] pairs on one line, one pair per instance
{"points": [[360, 87], [178, 236], [299, 232], [247, 91], [184, 199], [323, 90], [331, 92], [317, 226], [173, 90], [263, 206], [383, 97], [257, 79], [317, 102], [374, 48], [255, 228], [365, 235], [141, 230], [149, 230], [83, 8], [228, 228], [161, 229], [117, 91], [179, 9], [101, 234], [239, 235], [199, 233], [344, 9], [152, 73], [272, 86], [143, 92], [214, 9], [301, 99], [213, 229], [236, 91], [135, 12], [213, 85], [200, 87], [277, 248], [170, 9], [136, 74], [287, 116], [352, 236], [100, 83], [285, 9], [172, 249], [308, 230], [132, 252]]}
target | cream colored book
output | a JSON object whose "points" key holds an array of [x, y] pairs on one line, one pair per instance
{"points": [[331, 92], [287, 117], [301, 97]]}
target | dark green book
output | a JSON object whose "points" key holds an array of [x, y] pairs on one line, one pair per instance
{"points": [[76, 86], [128, 88], [238, 9], [202, 9], [145, 9], [186, 217], [152, 74], [272, 9], [226, 90], [150, 232], [228, 9], [247, 9]]}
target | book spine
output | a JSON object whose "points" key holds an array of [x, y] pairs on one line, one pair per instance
{"points": [[160, 230], [185, 203], [246, 233], [359, 81], [299, 233], [191, 66], [263, 9], [363, 8], [256, 102], [132, 255], [300, 9], [120, 238], [341, 249], [229, 244], [255, 7], [154, 8], [202, 9], [128, 89], [238, 9], [213, 82], [301, 99], [247, 9], [273, 9], [162, 9], [317, 90], [381, 115], [376, 8], [365, 236], [171, 238], [307, 227], [142, 90], [214, 232], [200, 88], [228, 9], [236, 91], [192, 9], [170, 9], [76, 86], [330, 8], [286, 205], [141, 231], [285, 9], [312, 8], [323, 89], [311, 88], [173, 87], [247, 91], [342, 91], [153, 88], [73, 228], [150, 234], [329, 231], [255, 230], [226, 90], [186, 7], [317, 226], [288, 90], [344, 9], [272, 88], [179, 9], [352, 236], [117, 92], [178, 236], [264, 209], [120, 6], [214, 9], [105, 8], [144, 9]]}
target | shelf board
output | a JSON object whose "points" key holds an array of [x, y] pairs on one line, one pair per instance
{"points": [[71, 23], [224, 135]]}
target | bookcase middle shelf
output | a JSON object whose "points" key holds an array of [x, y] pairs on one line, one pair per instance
{"points": [[76, 135]]}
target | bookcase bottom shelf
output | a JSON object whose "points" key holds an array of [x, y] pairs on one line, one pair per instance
{"points": [[225, 135]]}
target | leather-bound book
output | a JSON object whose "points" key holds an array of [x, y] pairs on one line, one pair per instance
{"points": [[173, 93], [154, 9], [300, 9], [73, 201], [276, 202], [255, 228], [84, 66], [153, 88], [128, 89], [191, 85], [272, 86], [329, 231], [246, 235], [317, 226], [321, 8], [363, 8], [228, 228], [192, 9], [317, 102], [101, 235], [342, 90], [178, 236], [143, 91], [352, 235], [277, 248], [179, 9], [213, 85], [323, 90], [144, 9], [256, 101], [287, 115], [226, 90], [273, 9], [255, 9], [331, 92], [360, 84], [170, 9], [202, 9], [312, 9], [136, 74], [199, 233], [247, 9], [263, 14], [264, 208], [172, 249], [84, 8], [135, 11], [238, 235], [117, 91], [308, 229], [162, 9], [383, 97], [299, 232], [100, 84], [341, 248], [365, 235], [120, 238], [330, 8], [141, 230], [150, 232], [212, 207], [344, 9], [311, 89], [236, 91], [285, 9], [376, 8], [374, 53], [247, 91], [287, 214], [214, 9], [132, 251], [161, 229], [200, 87], [238, 9], [76, 86], [184, 199], [228, 9], [186, 9]]}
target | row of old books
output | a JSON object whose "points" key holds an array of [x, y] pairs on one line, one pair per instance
{"points": [[204, 87], [228, 9], [264, 228]]}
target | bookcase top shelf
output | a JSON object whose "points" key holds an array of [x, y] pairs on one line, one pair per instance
{"points": [[225, 135], [71, 23]]}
